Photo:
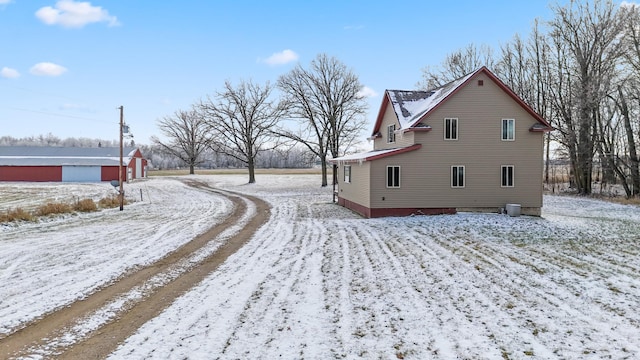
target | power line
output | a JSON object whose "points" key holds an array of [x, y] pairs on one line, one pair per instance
{"points": [[60, 115]]}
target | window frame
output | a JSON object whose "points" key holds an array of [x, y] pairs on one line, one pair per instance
{"points": [[347, 178], [395, 183], [453, 177], [451, 124], [391, 134], [504, 131], [504, 182]]}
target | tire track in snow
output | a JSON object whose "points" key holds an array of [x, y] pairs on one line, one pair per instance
{"points": [[518, 292], [524, 290], [280, 300], [135, 298], [336, 268], [557, 294], [450, 305]]}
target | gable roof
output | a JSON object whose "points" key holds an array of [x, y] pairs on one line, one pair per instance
{"points": [[411, 106], [71, 156]]}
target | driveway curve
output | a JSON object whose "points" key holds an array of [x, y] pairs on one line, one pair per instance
{"points": [[92, 328]]}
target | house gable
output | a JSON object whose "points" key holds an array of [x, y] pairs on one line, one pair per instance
{"points": [[411, 107]]}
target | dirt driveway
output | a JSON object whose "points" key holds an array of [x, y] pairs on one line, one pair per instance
{"points": [[137, 297]]}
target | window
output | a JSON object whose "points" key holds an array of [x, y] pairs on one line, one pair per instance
{"points": [[347, 173], [391, 133], [393, 176], [451, 129], [457, 176], [508, 129], [507, 176]]}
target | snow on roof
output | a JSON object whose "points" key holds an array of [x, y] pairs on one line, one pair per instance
{"points": [[374, 154], [59, 151], [61, 161], [411, 105], [69, 156]]}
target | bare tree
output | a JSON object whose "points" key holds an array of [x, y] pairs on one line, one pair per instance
{"points": [[456, 65], [588, 40], [326, 99], [241, 120], [629, 93], [187, 137]]}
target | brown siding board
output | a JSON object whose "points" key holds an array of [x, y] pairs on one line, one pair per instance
{"points": [[358, 190]]}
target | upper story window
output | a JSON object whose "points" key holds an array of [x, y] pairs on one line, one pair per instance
{"points": [[347, 173], [451, 129], [508, 129], [457, 176], [391, 133], [393, 176]]}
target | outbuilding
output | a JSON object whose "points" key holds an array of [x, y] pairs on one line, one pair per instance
{"points": [[70, 164]]}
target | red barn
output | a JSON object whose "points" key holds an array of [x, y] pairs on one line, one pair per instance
{"points": [[69, 164]]}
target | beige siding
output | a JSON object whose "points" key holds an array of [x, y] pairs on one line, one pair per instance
{"points": [[402, 140], [426, 173], [358, 190]]}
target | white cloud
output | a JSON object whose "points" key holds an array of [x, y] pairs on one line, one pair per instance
{"points": [[3, 2], [71, 14], [47, 69], [367, 92], [9, 73], [281, 58], [354, 27]]}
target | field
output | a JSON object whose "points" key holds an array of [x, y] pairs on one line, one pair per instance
{"points": [[318, 282]]}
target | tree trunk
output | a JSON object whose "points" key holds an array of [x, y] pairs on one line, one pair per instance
{"points": [[191, 169], [633, 155], [584, 156], [252, 174], [323, 164]]}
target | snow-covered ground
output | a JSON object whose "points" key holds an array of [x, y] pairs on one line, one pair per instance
{"points": [[319, 282]]}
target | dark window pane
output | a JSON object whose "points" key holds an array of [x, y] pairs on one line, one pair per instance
{"points": [[454, 128], [396, 177], [454, 176], [504, 176]]}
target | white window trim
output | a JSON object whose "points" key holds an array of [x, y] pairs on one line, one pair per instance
{"points": [[513, 176], [399, 176], [347, 179], [464, 177], [502, 129], [444, 134], [390, 133]]}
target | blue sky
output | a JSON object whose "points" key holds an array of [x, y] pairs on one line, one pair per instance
{"points": [[65, 66]]}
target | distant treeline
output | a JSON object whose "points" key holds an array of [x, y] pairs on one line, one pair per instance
{"points": [[292, 157]]}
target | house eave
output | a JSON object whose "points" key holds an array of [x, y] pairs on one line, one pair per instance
{"points": [[542, 129], [419, 129], [373, 157], [377, 135]]}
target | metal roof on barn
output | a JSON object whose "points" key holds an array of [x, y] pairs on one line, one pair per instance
{"points": [[63, 156]]}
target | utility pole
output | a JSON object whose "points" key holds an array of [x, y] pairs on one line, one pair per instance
{"points": [[121, 195]]}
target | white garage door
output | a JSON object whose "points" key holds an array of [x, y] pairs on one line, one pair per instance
{"points": [[81, 173]]}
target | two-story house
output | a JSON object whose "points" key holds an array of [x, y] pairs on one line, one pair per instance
{"points": [[470, 145]]}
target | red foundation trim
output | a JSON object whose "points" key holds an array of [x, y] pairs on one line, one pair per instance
{"points": [[374, 213]]}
